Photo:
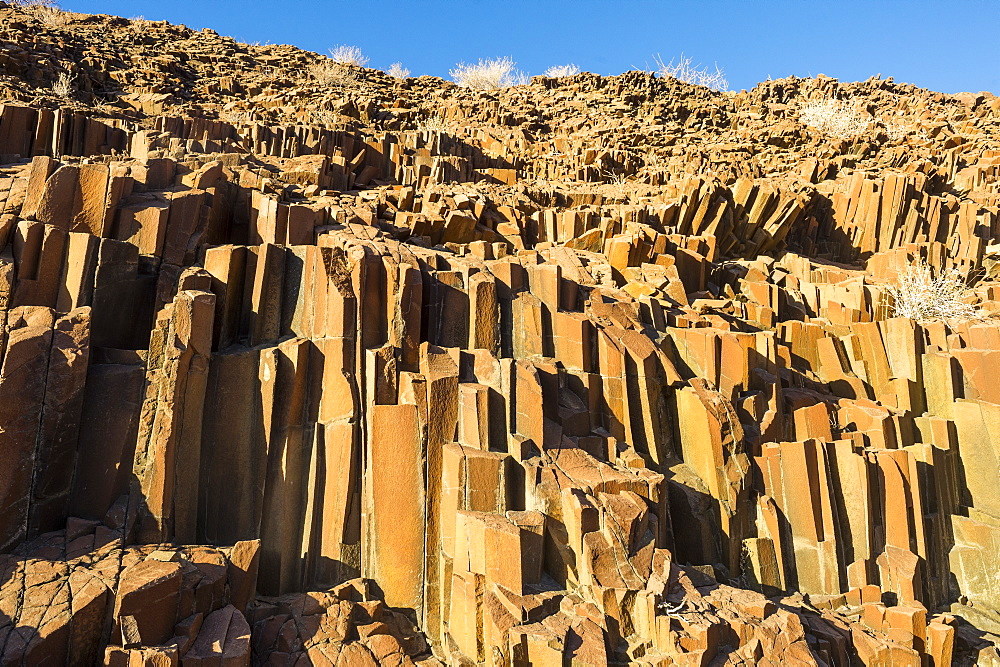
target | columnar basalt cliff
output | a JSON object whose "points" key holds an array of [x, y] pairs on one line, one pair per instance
{"points": [[353, 370]]}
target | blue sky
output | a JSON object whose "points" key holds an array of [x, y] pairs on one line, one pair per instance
{"points": [[949, 46]]}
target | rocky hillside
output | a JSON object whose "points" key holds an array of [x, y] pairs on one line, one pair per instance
{"points": [[301, 363]]}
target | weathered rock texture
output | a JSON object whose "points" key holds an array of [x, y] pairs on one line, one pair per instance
{"points": [[603, 372]]}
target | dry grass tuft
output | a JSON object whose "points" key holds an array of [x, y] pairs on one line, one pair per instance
{"points": [[63, 85]]}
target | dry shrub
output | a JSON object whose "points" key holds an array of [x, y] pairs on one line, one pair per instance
{"points": [[921, 295], [895, 131], [488, 74], [685, 70], [397, 71], [137, 25], [36, 4], [348, 55], [835, 117], [558, 71], [332, 73], [618, 183], [324, 117], [433, 123], [46, 11]]}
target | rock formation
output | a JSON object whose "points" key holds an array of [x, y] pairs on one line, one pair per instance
{"points": [[592, 371]]}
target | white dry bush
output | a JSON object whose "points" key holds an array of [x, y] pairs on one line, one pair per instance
{"points": [[137, 25], [348, 55], [836, 118], [323, 117], [63, 85], [47, 11], [433, 123], [488, 74], [557, 71], [921, 295], [685, 70], [36, 4], [397, 71], [618, 183], [331, 73], [895, 131], [239, 116]]}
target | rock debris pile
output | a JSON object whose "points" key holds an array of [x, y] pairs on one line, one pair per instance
{"points": [[300, 369]]}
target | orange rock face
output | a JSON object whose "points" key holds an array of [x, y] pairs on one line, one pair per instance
{"points": [[593, 370]]}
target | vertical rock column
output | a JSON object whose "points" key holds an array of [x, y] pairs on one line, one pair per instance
{"points": [[394, 536], [168, 453], [59, 428], [42, 378], [441, 377], [26, 339]]}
